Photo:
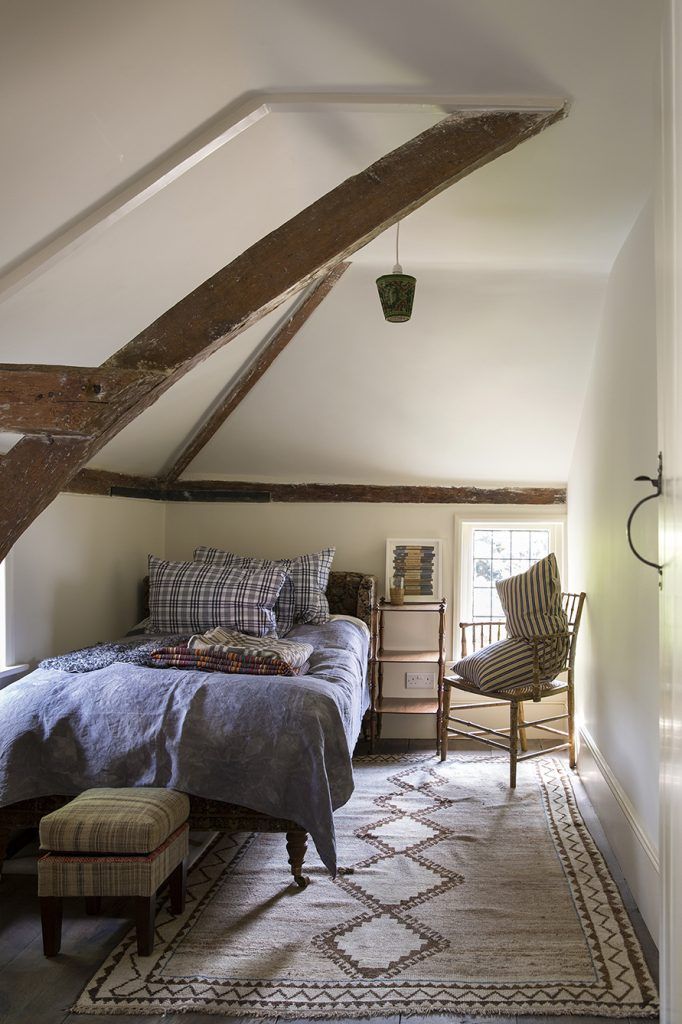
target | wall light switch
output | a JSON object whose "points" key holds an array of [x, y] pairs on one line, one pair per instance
{"points": [[420, 680]]}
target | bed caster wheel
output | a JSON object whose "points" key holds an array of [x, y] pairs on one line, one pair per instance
{"points": [[301, 881]]}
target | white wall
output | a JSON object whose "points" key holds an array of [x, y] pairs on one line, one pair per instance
{"points": [[617, 664], [359, 532], [74, 575]]}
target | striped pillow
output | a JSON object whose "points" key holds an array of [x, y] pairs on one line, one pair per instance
{"points": [[303, 599], [509, 663], [532, 601], [192, 597]]}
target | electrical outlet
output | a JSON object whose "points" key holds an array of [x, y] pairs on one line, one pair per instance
{"points": [[420, 680]]}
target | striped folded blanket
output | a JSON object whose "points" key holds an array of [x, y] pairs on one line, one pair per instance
{"points": [[223, 650]]}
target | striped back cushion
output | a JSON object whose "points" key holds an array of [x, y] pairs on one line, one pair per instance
{"points": [[509, 663], [532, 601], [304, 599], [195, 596]]}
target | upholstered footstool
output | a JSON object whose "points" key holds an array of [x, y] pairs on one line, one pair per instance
{"points": [[113, 842]]}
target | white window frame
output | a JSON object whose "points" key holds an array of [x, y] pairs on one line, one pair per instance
{"points": [[498, 517]]}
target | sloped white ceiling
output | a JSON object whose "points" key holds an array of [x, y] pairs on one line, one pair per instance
{"points": [[511, 261]]}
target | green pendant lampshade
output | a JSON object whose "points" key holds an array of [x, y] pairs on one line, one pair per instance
{"points": [[396, 291]]}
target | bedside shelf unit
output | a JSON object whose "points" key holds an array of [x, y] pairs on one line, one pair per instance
{"points": [[383, 656]]}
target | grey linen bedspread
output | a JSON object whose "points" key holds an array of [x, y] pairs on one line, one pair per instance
{"points": [[280, 745]]}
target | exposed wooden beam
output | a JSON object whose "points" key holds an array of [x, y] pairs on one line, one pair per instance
{"points": [[77, 400], [220, 130], [308, 245], [325, 233], [255, 368], [94, 481]]}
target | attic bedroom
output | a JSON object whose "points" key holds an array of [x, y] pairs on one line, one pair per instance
{"points": [[339, 510]]}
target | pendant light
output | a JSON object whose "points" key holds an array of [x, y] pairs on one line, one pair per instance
{"points": [[396, 290]]}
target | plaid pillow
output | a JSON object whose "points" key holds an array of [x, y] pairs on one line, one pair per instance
{"points": [[195, 596], [305, 600]]}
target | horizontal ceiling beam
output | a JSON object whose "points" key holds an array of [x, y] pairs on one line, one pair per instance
{"points": [[220, 130], [76, 400], [100, 481]]}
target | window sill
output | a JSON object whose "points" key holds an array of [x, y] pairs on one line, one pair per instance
{"points": [[10, 673]]}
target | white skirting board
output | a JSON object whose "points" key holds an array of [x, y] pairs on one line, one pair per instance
{"points": [[636, 853]]}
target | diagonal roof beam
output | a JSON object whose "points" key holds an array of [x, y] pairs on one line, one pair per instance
{"points": [[310, 244], [254, 370]]}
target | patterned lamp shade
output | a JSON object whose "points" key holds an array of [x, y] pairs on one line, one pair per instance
{"points": [[396, 292]]}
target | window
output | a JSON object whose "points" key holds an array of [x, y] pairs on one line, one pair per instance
{"points": [[500, 552], [494, 547]]}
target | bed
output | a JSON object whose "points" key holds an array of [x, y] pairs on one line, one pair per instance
{"points": [[263, 753]]}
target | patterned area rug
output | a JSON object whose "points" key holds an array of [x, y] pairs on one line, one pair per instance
{"points": [[466, 897]]}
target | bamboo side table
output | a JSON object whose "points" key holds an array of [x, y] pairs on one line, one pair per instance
{"points": [[381, 656]]}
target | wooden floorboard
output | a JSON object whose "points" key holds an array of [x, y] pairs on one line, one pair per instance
{"points": [[34, 990]]}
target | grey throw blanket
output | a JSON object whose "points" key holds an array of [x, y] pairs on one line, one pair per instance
{"points": [[277, 744]]}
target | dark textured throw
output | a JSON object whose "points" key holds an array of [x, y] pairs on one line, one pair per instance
{"points": [[134, 651]]}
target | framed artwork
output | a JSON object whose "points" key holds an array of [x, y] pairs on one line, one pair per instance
{"points": [[419, 563]]}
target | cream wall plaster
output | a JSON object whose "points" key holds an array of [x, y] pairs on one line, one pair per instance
{"points": [[617, 664], [75, 574]]}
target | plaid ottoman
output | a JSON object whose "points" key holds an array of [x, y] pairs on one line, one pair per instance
{"points": [[113, 842]]}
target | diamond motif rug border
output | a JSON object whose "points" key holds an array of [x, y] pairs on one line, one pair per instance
{"points": [[623, 988]]}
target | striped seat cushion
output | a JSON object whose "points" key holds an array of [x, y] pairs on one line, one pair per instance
{"points": [[509, 663], [115, 821], [192, 597], [532, 606], [303, 599]]}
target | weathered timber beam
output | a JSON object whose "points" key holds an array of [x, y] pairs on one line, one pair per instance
{"points": [[308, 245], [74, 400], [93, 481], [255, 368], [327, 232]]}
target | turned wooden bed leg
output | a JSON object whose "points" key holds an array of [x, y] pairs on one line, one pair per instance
{"points": [[297, 844]]}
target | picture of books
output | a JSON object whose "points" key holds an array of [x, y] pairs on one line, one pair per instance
{"points": [[417, 563]]}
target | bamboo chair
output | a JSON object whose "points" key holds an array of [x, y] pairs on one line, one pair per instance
{"points": [[476, 635]]}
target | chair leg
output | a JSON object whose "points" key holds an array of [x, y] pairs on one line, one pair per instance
{"points": [[445, 715], [145, 916], [522, 728], [178, 885], [51, 922], [570, 697], [513, 741], [93, 904]]}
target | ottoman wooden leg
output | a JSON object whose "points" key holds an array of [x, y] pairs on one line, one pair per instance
{"points": [[93, 904], [178, 884], [145, 915], [51, 921]]}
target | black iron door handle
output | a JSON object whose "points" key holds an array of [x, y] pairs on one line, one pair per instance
{"points": [[657, 484]]}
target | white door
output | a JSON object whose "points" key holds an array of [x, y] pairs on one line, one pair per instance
{"points": [[669, 279]]}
